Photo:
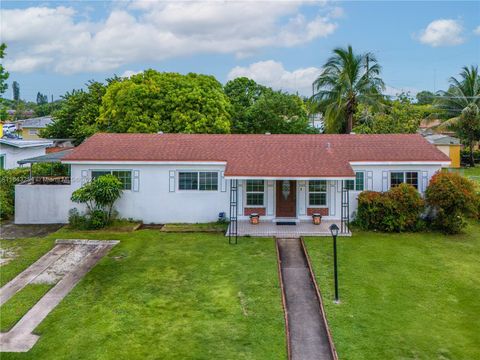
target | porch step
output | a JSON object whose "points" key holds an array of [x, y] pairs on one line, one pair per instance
{"points": [[285, 220]]}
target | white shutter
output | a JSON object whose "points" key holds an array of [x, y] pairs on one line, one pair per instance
{"points": [[84, 177], [369, 182], [384, 180], [172, 180], [223, 182], [424, 181], [136, 180]]}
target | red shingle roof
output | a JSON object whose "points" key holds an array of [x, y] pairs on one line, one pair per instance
{"points": [[261, 155]]}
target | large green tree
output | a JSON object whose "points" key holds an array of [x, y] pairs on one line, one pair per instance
{"points": [[152, 101], [276, 112], [347, 79], [461, 103], [78, 113], [3, 73], [243, 93]]}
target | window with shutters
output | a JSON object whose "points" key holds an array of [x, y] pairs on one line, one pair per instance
{"points": [[198, 180], [125, 176]]}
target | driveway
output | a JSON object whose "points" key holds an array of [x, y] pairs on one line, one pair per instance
{"points": [[9, 230]]}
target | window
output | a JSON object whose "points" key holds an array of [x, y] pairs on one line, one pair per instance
{"points": [[203, 181], [411, 178], [255, 192], [33, 132], [125, 176], [359, 181], [2, 162], [317, 193], [358, 184], [408, 177]]}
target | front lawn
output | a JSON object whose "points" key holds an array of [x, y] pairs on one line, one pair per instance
{"points": [[164, 296], [403, 296]]}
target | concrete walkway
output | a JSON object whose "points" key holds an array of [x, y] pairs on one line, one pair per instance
{"points": [[20, 338], [307, 332]]}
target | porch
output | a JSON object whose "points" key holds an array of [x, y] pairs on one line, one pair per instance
{"points": [[268, 228]]}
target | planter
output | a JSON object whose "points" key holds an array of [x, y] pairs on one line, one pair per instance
{"points": [[254, 219], [317, 219]]}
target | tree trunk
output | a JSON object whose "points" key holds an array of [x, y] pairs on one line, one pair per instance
{"points": [[472, 159], [349, 122]]}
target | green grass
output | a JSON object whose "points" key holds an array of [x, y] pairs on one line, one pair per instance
{"points": [[403, 296], [206, 227], [20, 303], [473, 173], [26, 252], [167, 296]]}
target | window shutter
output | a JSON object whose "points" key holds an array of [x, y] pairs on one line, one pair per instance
{"points": [[384, 180], [424, 181], [136, 180], [84, 177], [172, 181], [223, 182], [369, 182]]}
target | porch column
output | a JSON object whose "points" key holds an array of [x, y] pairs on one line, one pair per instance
{"points": [[270, 196]]}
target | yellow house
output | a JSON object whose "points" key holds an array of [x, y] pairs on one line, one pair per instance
{"points": [[449, 145], [31, 127]]}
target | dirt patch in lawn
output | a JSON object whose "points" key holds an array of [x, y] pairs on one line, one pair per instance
{"points": [[6, 255], [9, 230]]}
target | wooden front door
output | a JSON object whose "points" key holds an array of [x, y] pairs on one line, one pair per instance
{"points": [[286, 198]]}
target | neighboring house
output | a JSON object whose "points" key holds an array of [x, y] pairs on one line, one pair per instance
{"points": [[12, 151], [449, 145], [171, 178], [31, 127]]}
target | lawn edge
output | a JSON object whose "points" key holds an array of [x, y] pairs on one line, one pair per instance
{"points": [[320, 300], [284, 302]]}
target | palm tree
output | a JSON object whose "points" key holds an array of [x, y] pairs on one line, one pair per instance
{"points": [[459, 103], [346, 80]]}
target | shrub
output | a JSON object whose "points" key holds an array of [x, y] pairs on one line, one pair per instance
{"points": [[396, 210], [450, 198], [99, 196], [8, 180]]}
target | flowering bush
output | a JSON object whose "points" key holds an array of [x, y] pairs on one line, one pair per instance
{"points": [[396, 210], [450, 198]]}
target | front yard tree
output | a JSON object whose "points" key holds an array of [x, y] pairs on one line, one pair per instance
{"points": [[152, 101], [347, 79], [468, 128]]}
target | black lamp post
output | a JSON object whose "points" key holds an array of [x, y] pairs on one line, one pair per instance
{"points": [[334, 231]]}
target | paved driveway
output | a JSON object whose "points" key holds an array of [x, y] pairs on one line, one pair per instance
{"points": [[8, 230]]}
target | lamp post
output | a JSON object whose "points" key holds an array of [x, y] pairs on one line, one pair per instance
{"points": [[334, 231]]}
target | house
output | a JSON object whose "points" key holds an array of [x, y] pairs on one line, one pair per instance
{"points": [[449, 145], [14, 150], [190, 178], [31, 127]]}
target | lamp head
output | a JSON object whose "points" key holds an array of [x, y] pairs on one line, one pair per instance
{"points": [[334, 230]]}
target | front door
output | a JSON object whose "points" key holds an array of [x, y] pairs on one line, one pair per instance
{"points": [[286, 198]]}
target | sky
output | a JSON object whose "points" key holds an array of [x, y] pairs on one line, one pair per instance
{"points": [[56, 46]]}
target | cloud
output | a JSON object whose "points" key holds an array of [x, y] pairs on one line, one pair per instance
{"points": [[128, 73], [272, 73], [477, 30], [59, 39], [442, 32]]}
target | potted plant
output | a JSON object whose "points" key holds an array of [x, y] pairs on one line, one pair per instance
{"points": [[317, 218], [254, 218]]}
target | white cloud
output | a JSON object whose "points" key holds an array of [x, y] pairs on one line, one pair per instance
{"points": [[128, 73], [477, 30], [442, 32], [272, 73], [58, 39]]}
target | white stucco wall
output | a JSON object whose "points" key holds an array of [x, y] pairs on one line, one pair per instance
{"points": [[154, 202], [42, 204], [158, 200], [14, 154]]}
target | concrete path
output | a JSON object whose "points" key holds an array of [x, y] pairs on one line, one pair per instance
{"points": [[307, 331], [29, 274], [20, 338]]}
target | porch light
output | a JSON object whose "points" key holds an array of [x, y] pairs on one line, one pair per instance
{"points": [[334, 231]]}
